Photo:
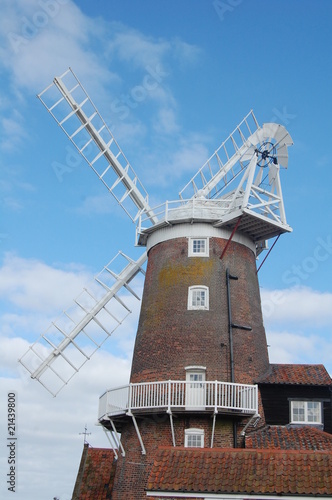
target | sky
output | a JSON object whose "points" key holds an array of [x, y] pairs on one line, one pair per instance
{"points": [[209, 63]]}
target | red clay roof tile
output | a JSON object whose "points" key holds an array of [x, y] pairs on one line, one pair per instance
{"points": [[296, 375], [242, 471], [289, 438], [95, 476]]}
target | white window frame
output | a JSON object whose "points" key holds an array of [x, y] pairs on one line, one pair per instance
{"points": [[195, 434], [192, 252], [192, 292], [307, 413]]}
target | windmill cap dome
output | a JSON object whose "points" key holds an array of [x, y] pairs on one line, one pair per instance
{"points": [[195, 230]]}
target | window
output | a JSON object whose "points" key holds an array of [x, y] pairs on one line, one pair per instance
{"points": [[194, 438], [306, 412], [198, 247], [198, 297]]}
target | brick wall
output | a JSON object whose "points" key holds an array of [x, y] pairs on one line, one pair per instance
{"points": [[170, 337]]}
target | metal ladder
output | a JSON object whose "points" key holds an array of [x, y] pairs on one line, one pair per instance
{"points": [[73, 110], [228, 161]]}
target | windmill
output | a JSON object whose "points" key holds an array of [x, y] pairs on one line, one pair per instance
{"points": [[238, 188]]}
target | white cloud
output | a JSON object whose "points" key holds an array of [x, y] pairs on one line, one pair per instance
{"points": [[49, 41], [35, 286], [39, 41], [166, 121], [12, 127], [13, 130], [298, 325], [142, 51], [299, 304], [290, 347], [27, 324], [137, 49], [187, 154], [186, 52], [14, 205], [12, 192], [97, 204]]}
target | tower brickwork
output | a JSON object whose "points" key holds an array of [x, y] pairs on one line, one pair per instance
{"points": [[171, 337]]}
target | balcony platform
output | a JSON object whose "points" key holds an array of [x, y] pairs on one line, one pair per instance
{"points": [[176, 396], [257, 222]]}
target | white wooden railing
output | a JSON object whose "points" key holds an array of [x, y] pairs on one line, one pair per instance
{"points": [[182, 395], [183, 210]]}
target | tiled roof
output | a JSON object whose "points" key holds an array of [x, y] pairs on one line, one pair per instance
{"points": [[242, 471], [290, 438], [96, 474], [296, 375]]}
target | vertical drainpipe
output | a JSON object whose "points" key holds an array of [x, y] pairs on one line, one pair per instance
{"points": [[230, 328], [230, 333]]}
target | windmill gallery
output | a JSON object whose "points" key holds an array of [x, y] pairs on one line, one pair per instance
{"points": [[205, 415]]}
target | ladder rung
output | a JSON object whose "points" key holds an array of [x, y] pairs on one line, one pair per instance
{"points": [[77, 130], [116, 276], [101, 128], [241, 135], [83, 125], [72, 113], [49, 342], [68, 361], [92, 340], [99, 323], [80, 305], [112, 315], [56, 373], [105, 171], [74, 88], [83, 102], [55, 104], [101, 153], [234, 144], [116, 182], [70, 339], [122, 303], [131, 291], [126, 194], [86, 145]]}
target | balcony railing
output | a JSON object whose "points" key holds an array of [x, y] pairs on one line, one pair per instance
{"points": [[183, 210], [179, 395]]}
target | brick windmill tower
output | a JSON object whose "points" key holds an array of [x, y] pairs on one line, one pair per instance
{"points": [[200, 343]]}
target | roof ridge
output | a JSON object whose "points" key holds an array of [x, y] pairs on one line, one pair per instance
{"points": [[267, 451]]}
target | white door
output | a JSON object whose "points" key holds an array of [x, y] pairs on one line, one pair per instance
{"points": [[195, 390]]}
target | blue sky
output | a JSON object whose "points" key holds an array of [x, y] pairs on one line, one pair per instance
{"points": [[209, 62]]}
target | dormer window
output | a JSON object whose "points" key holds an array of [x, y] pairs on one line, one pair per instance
{"points": [[306, 412], [198, 247]]}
